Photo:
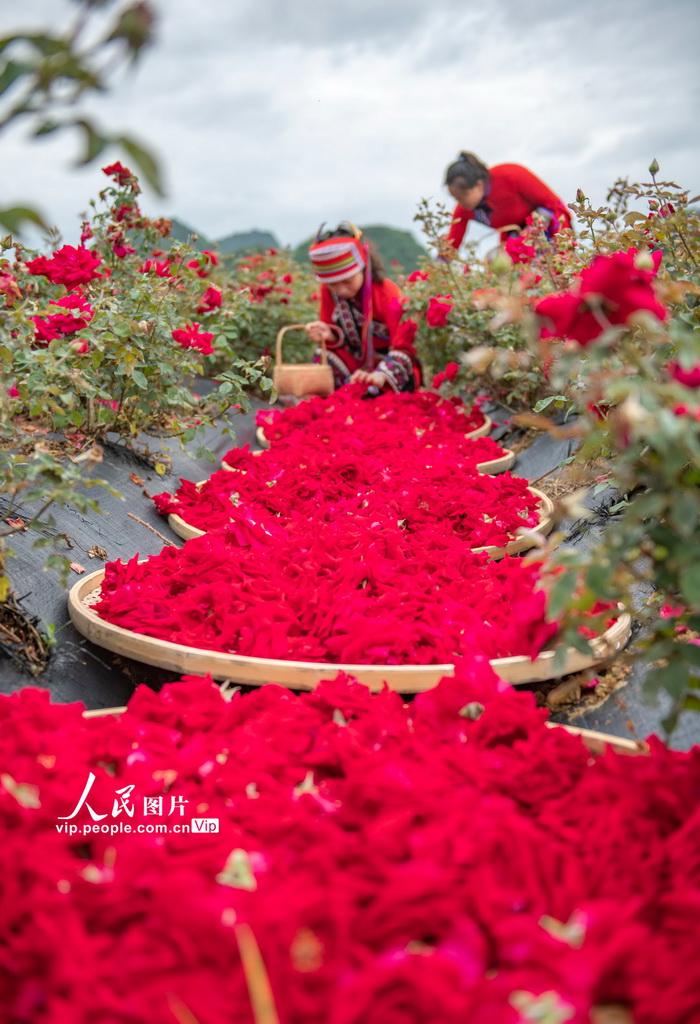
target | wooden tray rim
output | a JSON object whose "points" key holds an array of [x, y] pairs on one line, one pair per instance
{"points": [[516, 669]]}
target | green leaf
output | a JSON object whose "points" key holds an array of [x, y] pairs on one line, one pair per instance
{"points": [[580, 643], [544, 403], [145, 161], [13, 218], [11, 71], [46, 127], [674, 678], [561, 593], [690, 583], [139, 379], [94, 142]]}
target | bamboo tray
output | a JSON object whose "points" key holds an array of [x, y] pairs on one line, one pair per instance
{"points": [[481, 431], [597, 742], [305, 675], [185, 530], [493, 466]]}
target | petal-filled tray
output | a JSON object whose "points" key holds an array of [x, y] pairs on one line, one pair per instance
{"points": [[472, 435], [519, 544], [304, 675], [492, 467]]}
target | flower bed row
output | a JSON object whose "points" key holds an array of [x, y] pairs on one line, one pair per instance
{"points": [[446, 861]]}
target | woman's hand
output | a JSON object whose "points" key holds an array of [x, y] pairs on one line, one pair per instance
{"points": [[368, 377], [319, 332]]}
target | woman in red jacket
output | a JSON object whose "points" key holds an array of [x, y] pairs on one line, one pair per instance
{"points": [[360, 315], [502, 197]]}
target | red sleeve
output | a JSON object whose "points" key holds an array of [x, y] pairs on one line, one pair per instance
{"points": [[325, 314], [458, 227], [388, 307], [536, 193]]}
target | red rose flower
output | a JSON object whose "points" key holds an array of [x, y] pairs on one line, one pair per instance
{"points": [[608, 292], [68, 266], [163, 268], [418, 275], [210, 300], [689, 378], [518, 250], [9, 287], [438, 310], [121, 174], [191, 336]]}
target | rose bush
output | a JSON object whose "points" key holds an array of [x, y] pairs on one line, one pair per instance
{"points": [[274, 291], [627, 331], [109, 337], [105, 336], [606, 325], [473, 313]]}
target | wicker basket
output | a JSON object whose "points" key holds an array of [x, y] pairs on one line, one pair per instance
{"points": [[301, 379]]}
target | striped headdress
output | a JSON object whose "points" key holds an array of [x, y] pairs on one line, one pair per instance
{"points": [[337, 258]]}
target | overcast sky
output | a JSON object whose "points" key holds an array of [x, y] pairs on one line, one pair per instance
{"points": [[280, 114]]}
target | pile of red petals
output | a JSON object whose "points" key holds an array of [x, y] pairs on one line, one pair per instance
{"points": [[354, 591], [443, 862], [423, 489], [389, 417]]}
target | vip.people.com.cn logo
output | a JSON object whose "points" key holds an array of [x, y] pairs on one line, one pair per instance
{"points": [[172, 808]]}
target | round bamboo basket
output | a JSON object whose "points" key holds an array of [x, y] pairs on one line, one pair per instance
{"points": [[305, 675], [500, 465], [597, 742], [519, 544], [472, 435]]}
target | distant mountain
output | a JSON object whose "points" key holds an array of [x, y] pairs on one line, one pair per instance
{"points": [[183, 233], [392, 245], [247, 241], [242, 241]]}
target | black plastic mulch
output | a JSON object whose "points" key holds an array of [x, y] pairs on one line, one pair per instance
{"points": [[78, 670]]}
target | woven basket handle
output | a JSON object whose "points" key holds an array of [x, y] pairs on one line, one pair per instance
{"points": [[296, 327]]}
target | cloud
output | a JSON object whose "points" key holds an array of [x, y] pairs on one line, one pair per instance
{"points": [[281, 115]]}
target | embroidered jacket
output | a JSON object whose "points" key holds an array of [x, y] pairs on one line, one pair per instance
{"points": [[513, 195], [388, 348]]}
